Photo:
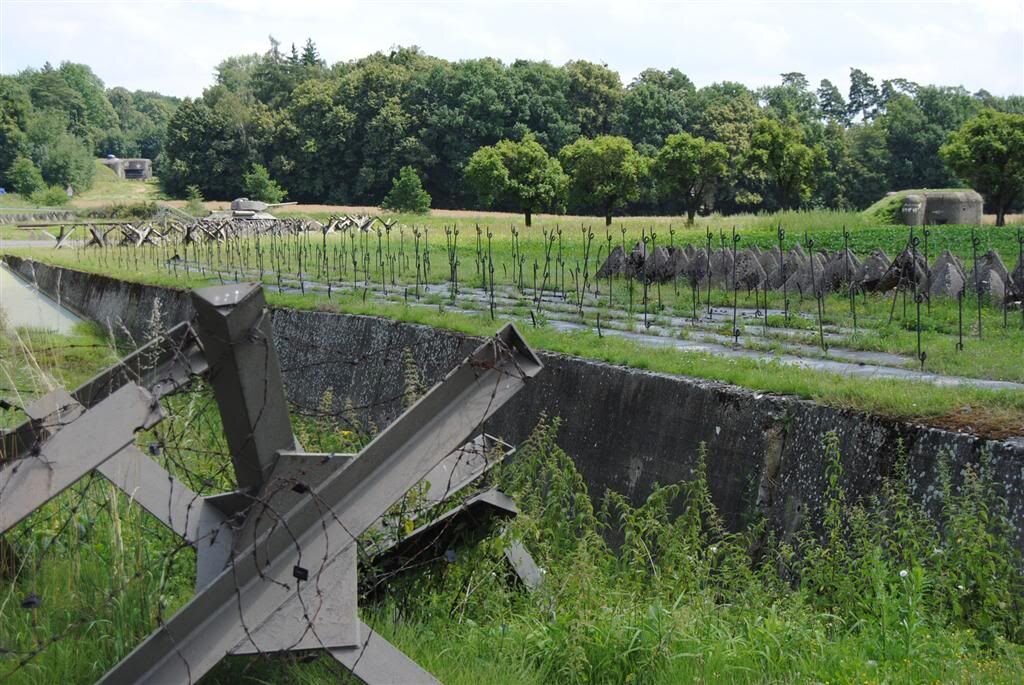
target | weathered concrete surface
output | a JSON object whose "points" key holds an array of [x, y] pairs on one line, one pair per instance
{"points": [[626, 429]]}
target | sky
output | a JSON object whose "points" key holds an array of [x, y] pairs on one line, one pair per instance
{"points": [[172, 46]]}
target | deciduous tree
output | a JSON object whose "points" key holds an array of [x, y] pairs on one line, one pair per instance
{"points": [[518, 173], [988, 151], [687, 168], [605, 173], [778, 149]]}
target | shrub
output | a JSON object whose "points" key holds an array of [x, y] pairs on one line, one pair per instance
{"points": [[54, 196], [194, 204], [25, 177], [119, 210], [259, 186], [407, 194]]}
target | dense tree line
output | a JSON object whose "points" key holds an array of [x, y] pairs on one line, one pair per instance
{"points": [[526, 136], [341, 134], [55, 121]]}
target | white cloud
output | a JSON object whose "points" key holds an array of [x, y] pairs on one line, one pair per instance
{"points": [[173, 46]]}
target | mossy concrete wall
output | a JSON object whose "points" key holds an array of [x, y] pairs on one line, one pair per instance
{"points": [[626, 429]]}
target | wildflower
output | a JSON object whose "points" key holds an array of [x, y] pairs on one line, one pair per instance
{"points": [[904, 573]]}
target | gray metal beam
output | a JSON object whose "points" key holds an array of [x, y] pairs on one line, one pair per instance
{"points": [[301, 541], [162, 366], [74, 450], [377, 662], [235, 328], [169, 500], [148, 484]]}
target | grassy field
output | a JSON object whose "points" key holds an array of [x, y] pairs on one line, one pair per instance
{"points": [[410, 271], [409, 274], [884, 594]]}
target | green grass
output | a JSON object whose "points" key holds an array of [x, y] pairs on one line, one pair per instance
{"points": [[107, 188], [883, 594], [34, 362], [998, 355]]}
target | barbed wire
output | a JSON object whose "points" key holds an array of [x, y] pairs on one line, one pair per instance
{"points": [[189, 443]]}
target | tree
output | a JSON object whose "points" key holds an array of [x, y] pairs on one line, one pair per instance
{"points": [[517, 173], [655, 105], [915, 130], [595, 92], [866, 178], [831, 103], [605, 173], [791, 99], [687, 168], [727, 113], [988, 151], [310, 56], [864, 95], [15, 110], [211, 142], [407, 194], [259, 186], [779, 151], [541, 104], [893, 87], [25, 177], [64, 159]]}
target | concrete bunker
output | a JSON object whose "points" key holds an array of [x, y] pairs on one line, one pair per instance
{"points": [[938, 207]]}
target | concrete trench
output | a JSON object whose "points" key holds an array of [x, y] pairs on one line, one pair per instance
{"points": [[626, 429]]}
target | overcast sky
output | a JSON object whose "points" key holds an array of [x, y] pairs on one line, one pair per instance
{"points": [[173, 46]]}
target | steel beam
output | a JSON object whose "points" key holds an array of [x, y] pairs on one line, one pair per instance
{"points": [[74, 450], [377, 662], [298, 529], [162, 366], [235, 329]]}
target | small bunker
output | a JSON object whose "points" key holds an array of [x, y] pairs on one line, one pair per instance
{"points": [[936, 207], [136, 169]]}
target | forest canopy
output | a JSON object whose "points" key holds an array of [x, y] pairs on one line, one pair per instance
{"points": [[342, 133]]}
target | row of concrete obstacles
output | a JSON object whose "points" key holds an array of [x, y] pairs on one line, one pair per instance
{"points": [[36, 216], [821, 271]]}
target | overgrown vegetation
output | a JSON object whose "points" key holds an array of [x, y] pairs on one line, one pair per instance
{"points": [[880, 593]]}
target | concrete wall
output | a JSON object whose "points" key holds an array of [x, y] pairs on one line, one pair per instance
{"points": [[626, 429]]}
